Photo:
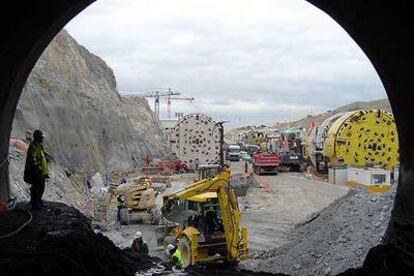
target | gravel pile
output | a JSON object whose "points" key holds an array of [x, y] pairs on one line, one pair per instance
{"points": [[330, 242]]}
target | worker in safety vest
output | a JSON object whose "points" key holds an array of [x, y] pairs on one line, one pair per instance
{"points": [[176, 257], [36, 170], [120, 200]]}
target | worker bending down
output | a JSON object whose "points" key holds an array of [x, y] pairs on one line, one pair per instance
{"points": [[176, 257], [139, 245]]}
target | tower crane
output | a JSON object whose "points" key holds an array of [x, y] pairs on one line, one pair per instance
{"points": [[157, 94], [169, 98]]}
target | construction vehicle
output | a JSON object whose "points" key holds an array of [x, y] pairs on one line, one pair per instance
{"points": [[264, 162], [252, 149], [233, 153], [139, 202], [291, 150], [206, 220], [292, 161]]}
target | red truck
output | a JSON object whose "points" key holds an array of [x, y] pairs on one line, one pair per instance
{"points": [[265, 163]]}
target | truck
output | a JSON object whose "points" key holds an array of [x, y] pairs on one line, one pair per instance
{"points": [[292, 161], [252, 149], [264, 162], [233, 153], [206, 222]]}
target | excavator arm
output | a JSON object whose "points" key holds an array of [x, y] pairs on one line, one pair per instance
{"points": [[236, 238], [202, 186]]}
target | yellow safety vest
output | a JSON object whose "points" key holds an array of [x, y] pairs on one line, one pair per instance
{"points": [[40, 159], [179, 257]]}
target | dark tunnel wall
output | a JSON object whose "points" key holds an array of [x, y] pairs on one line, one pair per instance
{"points": [[27, 27], [383, 29]]}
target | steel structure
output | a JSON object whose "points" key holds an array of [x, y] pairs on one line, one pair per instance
{"points": [[190, 99], [157, 95]]}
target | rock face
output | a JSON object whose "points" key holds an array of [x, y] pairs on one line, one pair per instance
{"points": [[72, 95]]}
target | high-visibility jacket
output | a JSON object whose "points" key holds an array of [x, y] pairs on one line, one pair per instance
{"points": [[36, 167], [40, 159], [120, 201], [177, 255]]}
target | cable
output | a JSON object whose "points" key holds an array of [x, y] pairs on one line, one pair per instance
{"points": [[70, 260], [21, 227]]}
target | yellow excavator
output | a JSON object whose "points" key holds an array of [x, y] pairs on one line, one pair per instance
{"points": [[206, 220]]}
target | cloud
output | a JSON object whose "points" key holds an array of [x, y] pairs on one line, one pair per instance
{"points": [[259, 60]]}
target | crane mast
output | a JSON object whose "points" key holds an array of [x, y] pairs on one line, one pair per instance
{"points": [[157, 95]]}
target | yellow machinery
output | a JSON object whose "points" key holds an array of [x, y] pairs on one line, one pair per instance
{"points": [[139, 202], [210, 231], [360, 137]]}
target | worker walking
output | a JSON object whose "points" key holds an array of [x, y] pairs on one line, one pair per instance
{"points": [[36, 170], [176, 257], [139, 245]]}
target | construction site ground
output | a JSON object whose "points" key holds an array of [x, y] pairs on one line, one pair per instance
{"points": [[275, 207], [271, 213]]}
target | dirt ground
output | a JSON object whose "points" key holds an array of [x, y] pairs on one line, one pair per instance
{"points": [[269, 217], [271, 214]]}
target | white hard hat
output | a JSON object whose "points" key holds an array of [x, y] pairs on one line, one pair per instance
{"points": [[170, 247], [138, 235]]}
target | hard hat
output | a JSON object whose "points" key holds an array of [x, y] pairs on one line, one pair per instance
{"points": [[170, 247], [138, 235]]}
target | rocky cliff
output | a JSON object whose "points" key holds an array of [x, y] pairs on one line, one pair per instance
{"points": [[72, 96]]}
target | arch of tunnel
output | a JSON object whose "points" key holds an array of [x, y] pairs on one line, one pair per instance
{"points": [[383, 29]]}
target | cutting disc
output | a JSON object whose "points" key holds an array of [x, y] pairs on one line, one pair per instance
{"points": [[197, 140], [361, 137]]}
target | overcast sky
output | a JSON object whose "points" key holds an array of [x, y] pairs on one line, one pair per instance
{"points": [[248, 62]]}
